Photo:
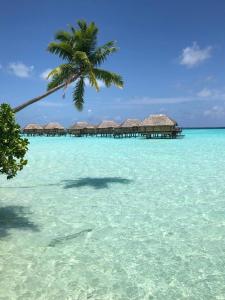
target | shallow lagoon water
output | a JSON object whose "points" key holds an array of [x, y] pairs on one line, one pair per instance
{"points": [[104, 218]]}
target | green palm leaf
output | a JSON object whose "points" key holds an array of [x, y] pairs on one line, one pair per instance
{"points": [[62, 49], [78, 94], [63, 36], [109, 78], [101, 53], [93, 80], [62, 73]]}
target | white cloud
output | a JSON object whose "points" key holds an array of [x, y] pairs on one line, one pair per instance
{"points": [[194, 55], [211, 94], [100, 83], [45, 73], [215, 112], [204, 93], [20, 69]]}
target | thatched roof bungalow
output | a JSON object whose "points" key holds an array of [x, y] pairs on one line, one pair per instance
{"points": [[33, 129], [106, 127], [53, 125], [81, 128], [130, 123], [33, 126], [128, 128], [158, 124], [79, 125], [53, 128], [158, 120], [108, 124]]}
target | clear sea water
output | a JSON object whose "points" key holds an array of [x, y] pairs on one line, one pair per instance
{"points": [[104, 218]]}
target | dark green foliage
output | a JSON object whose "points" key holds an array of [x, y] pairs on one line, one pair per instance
{"points": [[12, 146]]}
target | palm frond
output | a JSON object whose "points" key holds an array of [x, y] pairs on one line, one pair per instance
{"points": [[63, 73], [62, 49], [78, 94], [81, 58], [93, 80], [86, 37], [63, 68], [109, 78], [73, 30], [63, 36], [55, 81], [101, 53], [82, 24]]}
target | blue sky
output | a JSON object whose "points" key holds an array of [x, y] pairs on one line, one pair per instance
{"points": [[172, 59]]}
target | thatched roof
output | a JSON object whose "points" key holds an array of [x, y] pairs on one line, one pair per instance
{"points": [[91, 126], [108, 124], [51, 126], [32, 126], [79, 125], [131, 123], [158, 120]]}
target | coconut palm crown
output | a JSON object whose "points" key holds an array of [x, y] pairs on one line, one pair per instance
{"points": [[82, 57], [78, 48]]}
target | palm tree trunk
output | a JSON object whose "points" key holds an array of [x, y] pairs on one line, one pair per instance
{"points": [[49, 92], [36, 99]]}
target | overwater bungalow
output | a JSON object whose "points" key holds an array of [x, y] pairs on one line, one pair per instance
{"points": [[90, 130], [129, 128], [33, 129], [81, 128], [76, 129], [159, 126], [106, 128], [54, 128]]}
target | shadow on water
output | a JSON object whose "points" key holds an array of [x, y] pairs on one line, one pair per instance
{"points": [[28, 187], [96, 183], [14, 217]]}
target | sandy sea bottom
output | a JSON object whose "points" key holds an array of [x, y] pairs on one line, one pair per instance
{"points": [[101, 218]]}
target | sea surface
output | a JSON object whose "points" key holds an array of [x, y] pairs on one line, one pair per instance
{"points": [[103, 218]]}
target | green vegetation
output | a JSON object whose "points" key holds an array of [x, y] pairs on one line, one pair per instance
{"points": [[82, 58], [12, 146]]}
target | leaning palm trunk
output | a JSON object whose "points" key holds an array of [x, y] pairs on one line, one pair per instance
{"points": [[36, 99], [49, 92]]}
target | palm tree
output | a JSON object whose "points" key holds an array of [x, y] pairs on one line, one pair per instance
{"points": [[82, 58]]}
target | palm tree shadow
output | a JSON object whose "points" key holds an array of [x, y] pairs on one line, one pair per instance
{"points": [[14, 217], [96, 183], [29, 187]]}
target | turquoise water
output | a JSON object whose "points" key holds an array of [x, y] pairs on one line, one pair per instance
{"points": [[101, 218]]}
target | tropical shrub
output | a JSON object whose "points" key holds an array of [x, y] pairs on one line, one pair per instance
{"points": [[12, 146]]}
